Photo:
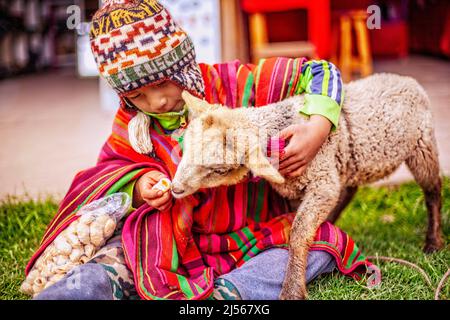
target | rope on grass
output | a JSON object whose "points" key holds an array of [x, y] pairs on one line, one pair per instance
{"points": [[422, 272], [441, 285], [406, 263]]}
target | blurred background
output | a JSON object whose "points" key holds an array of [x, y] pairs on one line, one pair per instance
{"points": [[55, 113]]}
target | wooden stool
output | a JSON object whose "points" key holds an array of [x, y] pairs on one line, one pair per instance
{"points": [[348, 63], [318, 28], [262, 48]]}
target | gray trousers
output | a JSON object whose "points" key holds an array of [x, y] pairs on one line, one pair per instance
{"points": [[260, 278]]}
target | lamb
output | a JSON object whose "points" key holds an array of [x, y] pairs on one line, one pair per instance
{"points": [[385, 121]]}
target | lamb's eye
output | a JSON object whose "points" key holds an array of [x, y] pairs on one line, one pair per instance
{"points": [[222, 171]]}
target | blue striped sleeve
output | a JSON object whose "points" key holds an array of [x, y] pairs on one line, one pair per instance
{"points": [[322, 83], [322, 77]]}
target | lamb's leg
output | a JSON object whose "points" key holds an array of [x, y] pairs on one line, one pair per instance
{"points": [[345, 197], [424, 165], [320, 197]]}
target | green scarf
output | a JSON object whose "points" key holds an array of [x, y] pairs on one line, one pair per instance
{"points": [[170, 120]]}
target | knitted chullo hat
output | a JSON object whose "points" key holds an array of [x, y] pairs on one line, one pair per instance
{"points": [[136, 43]]}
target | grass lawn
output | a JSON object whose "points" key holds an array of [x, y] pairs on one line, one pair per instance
{"points": [[387, 221]]}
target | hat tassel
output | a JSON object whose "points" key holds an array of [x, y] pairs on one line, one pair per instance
{"points": [[139, 133]]}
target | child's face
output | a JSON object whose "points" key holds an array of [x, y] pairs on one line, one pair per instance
{"points": [[161, 98]]}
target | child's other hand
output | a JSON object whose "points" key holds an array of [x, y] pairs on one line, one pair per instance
{"points": [[305, 141], [143, 192]]}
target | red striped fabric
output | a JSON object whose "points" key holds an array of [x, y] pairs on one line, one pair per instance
{"points": [[176, 254]]}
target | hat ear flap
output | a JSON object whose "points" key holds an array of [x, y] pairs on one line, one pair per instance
{"points": [[139, 133]]}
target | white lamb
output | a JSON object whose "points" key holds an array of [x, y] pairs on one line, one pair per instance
{"points": [[385, 121]]}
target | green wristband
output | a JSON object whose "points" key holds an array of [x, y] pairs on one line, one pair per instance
{"points": [[323, 105]]}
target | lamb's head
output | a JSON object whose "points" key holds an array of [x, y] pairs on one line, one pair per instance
{"points": [[220, 148]]}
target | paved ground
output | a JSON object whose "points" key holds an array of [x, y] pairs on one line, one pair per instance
{"points": [[434, 76], [52, 126]]}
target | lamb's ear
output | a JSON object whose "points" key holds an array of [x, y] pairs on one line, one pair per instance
{"points": [[261, 167], [195, 105]]}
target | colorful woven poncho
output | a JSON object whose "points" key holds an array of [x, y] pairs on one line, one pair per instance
{"points": [[176, 254]]}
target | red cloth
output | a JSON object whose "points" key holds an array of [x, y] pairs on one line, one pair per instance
{"points": [[319, 19], [175, 254]]}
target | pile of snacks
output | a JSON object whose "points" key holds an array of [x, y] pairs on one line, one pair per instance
{"points": [[78, 242]]}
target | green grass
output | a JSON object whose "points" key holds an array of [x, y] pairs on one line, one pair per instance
{"points": [[22, 224], [388, 221], [391, 221]]}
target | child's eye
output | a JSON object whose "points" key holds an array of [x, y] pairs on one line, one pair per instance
{"points": [[135, 96]]}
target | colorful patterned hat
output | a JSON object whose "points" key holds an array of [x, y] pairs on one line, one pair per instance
{"points": [[136, 43]]}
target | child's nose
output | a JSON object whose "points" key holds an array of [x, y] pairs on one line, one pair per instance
{"points": [[162, 102], [157, 103]]}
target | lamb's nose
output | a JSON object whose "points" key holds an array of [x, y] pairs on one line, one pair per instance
{"points": [[177, 190]]}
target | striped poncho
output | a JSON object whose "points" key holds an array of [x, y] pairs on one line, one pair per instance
{"points": [[176, 254]]}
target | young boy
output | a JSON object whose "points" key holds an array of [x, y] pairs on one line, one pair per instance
{"points": [[224, 243]]}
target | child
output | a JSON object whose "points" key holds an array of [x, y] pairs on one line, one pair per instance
{"points": [[227, 242]]}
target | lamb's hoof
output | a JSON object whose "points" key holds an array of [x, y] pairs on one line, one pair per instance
{"points": [[433, 246], [291, 295]]}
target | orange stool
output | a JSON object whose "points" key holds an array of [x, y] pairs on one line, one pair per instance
{"points": [[348, 63], [262, 48]]}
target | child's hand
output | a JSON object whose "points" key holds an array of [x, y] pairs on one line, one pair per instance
{"points": [[305, 142], [143, 192]]}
